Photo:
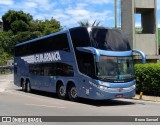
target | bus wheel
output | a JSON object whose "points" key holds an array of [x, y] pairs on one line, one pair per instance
{"points": [[72, 93], [28, 87], [24, 86], [61, 92]]}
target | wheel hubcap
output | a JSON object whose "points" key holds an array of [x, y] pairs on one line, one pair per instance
{"points": [[62, 91], [73, 92]]}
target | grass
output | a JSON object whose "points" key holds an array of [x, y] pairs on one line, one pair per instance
{"points": [[3, 74]]}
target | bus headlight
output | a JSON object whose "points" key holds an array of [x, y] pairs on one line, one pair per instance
{"points": [[102, 87], [132, 87], [98, 86]]}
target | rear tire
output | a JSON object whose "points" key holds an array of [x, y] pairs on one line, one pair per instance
{"points": [[72, 93], [61, 92], [28, 87], [23, 86]]}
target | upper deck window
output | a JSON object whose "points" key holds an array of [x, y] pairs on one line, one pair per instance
{"points": [[57, 42], [109, 39], [80, 37], [100, 38]]}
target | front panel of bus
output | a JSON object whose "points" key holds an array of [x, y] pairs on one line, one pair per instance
{"points": [[105, 63]]}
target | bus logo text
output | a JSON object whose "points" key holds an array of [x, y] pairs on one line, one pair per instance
{"points": [[45, 57]]}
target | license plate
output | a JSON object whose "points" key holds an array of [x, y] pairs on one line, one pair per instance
{"points": [[119, 96]]}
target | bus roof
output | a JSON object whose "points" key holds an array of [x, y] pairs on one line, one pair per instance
{"points": [[56, 33], [115, 38], [43, 37]]}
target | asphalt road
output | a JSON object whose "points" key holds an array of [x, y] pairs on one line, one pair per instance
{"points": [[14, 102]]}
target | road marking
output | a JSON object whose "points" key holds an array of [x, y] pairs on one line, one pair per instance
{"points": [[48, 106]]}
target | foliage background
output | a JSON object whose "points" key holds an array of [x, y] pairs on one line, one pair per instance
{"points": [[19, 27], [148, 78]]}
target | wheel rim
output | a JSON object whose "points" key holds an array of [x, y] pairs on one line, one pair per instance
{"points": [[62, 91], [73, 92]]}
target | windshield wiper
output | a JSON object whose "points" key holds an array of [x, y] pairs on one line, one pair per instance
{"points": [[103, 77]]}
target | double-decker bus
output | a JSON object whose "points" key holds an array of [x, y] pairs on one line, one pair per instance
{"points": [[89, 62]]}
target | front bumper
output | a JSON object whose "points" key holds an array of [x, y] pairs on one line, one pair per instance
{"points": [[102, 95]]}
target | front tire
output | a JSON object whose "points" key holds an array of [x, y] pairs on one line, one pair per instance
{"points": [[61, 92], [72, 93]]}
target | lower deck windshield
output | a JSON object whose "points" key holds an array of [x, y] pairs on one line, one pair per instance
{"points": [[115, 69]]}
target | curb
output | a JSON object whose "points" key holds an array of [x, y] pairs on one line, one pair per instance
{"points": [[152, 99]]}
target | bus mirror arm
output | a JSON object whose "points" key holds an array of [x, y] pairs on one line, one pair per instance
{"points": [[97, 54], [142, 55], [90, 50]]}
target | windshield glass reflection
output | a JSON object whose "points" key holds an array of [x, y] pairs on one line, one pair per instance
{"points": [[115, 69]]}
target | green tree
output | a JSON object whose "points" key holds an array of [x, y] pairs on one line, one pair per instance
{"points": [[45, 27], [16, 21], [51, 26], [87, 23], [37, 25], [20, 27], [6, 42], [4, 57], [84, 23], [5, 47], [25, 36]]}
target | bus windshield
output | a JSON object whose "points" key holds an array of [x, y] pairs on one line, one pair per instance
{"points": [[115, 69]]}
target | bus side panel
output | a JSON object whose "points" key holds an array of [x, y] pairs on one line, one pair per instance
{"points": [[20, 70], [43, 83], [82, 85]]}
